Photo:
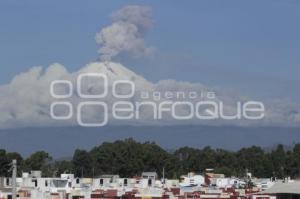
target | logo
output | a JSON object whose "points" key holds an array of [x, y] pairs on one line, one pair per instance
{"points": [[127, 104]]}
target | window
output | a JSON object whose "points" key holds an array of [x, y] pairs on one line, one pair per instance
{"points": [[149, 182], [35, 182]]}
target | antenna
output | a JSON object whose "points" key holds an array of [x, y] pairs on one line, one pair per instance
{"points": [[14, 176]]}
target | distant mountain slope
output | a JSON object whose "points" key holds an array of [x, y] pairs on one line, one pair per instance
{"points": [[61, 142]]}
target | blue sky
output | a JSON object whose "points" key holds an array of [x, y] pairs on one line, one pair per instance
{"points": [[252, 47]]}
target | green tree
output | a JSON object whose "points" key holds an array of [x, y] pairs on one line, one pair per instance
{"points": [[37, 161], [82, 163], [254, 160], [128, 158], [4, 163], [278, 158], [63, 167]]}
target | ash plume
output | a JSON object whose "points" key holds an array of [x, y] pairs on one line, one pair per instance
{"points": [[126, 33]]}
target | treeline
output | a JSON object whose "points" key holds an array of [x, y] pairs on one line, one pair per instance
{"points": [[129, 158]]}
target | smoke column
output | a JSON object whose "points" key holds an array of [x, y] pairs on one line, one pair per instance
{"points": [[126, 33]]}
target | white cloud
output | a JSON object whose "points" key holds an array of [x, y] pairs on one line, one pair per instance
{"points": [[26, 100]]}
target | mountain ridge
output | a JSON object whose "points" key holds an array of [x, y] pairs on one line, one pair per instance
{"points": [[62, 141]]}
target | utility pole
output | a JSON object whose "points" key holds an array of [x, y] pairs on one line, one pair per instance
{"points": [[163, 175], [93, 172], [14, 177]]}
